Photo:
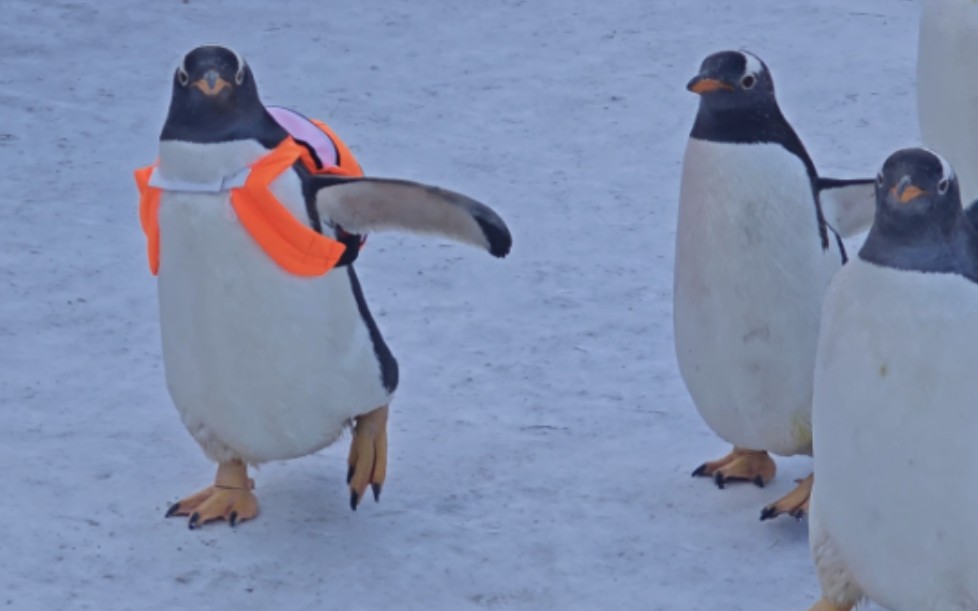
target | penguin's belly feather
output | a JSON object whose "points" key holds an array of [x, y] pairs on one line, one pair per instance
{"points": [[947, 87], [262, 365], [749, 278], [895, 421]]}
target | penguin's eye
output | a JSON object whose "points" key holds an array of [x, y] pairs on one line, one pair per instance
{"points": [[182, 77], [942, 186], [239, 76], [748, 81]]}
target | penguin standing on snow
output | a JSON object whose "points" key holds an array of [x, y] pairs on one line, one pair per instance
{"points": [[947, 90], [893, 510], [269, 348], [757, 242]]}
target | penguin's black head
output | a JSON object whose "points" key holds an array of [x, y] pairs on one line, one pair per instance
{"points": [[732, 79], [738, 105], [919, 223], [215, 99], [916, 186], [214, 75]]}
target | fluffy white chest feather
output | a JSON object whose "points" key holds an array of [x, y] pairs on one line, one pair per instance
{"points": [[749, 279], [262, 365], [895, 421], [947, 86]]}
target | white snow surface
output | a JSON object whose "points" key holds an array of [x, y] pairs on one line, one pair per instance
{"points": [[541, 439]]}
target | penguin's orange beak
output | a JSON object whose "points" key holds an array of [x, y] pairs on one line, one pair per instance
{"points": [[211, 83], [905, 191], [704, 84]]}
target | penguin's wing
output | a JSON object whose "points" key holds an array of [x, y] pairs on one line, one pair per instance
{"points": [[362, 205], [849, 206], [971, 211]]}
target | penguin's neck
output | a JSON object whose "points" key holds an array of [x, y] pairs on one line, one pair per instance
{"points": [[762, 123], [949, 248], [202, 145], [197, 162]]}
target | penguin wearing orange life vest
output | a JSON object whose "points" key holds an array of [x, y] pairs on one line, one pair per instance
{"points": [[269, 348]]}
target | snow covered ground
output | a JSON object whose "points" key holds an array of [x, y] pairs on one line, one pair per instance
{"points": [[541, 440]]}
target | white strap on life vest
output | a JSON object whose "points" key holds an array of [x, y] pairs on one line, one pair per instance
{"points": [[222, 185]]}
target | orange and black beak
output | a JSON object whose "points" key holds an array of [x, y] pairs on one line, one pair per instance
{"points": [[905, 191], [211, 83], [702, 83]]}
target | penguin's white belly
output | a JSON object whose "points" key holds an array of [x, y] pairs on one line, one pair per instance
{"points": [[262, 365], [749, 279], [895, 423], [947, 86]]}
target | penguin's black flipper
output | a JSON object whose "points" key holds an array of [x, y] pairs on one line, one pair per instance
{"points": [[972, 213], [849, 205], [364, 205]]}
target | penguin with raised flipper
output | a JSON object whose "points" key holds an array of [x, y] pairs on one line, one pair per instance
{"points": [[269, 348], [757, 242]]}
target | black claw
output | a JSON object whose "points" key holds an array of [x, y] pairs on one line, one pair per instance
{"points": [[233, 519], [349, 474], [376, 489], [719, 480], [354, 500], [192, 524], [174, 508], [759, 481], [798, 514], [699, 471], [768, 512]]}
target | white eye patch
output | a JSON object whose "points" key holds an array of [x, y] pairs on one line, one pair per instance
{"points": [[753, 63], [947, 172], [239, 74]]}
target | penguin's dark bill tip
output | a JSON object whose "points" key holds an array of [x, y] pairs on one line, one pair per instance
{"points": [[702, 84]]}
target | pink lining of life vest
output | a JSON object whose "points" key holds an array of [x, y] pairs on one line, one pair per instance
{"points": [[301, 128]]}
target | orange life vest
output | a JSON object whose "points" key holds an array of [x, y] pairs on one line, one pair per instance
{"points": [[296, 247]]}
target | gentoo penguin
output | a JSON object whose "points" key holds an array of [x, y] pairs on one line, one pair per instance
{"points": [[893, 510], [757, 242], [267, 357], [947, 90]]}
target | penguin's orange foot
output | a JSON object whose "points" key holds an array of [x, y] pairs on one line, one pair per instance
{"points": [[230, 498], [824, 605], [739, 466], [795, 503], [368, 455]]}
